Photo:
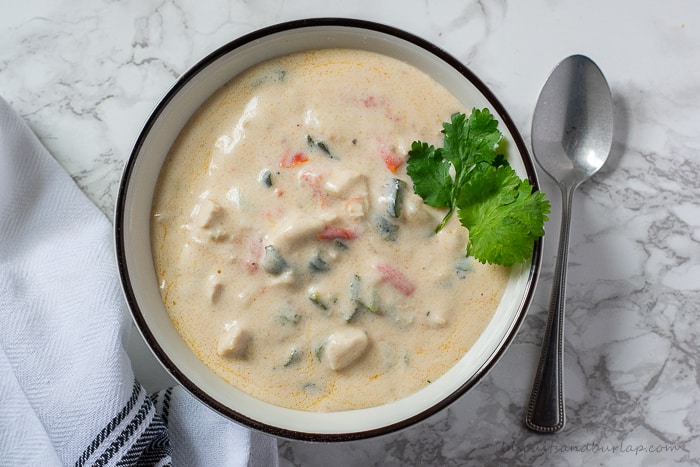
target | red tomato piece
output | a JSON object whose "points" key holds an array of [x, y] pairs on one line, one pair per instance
{"points": [[392, 161], [291, 160], [396, 278], [330, 232]]}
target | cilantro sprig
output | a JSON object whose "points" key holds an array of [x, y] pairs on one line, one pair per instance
{"points": [[503, 214]]}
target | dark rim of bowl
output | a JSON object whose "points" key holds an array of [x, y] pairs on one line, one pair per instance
{"points": [[123, 267]]}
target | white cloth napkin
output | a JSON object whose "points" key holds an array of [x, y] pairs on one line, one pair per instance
{"points": [[68, 395]]}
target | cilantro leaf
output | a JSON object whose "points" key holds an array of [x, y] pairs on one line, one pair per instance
{"points": [[469, 141], [503, 214], [504, 218], [430, 173]]}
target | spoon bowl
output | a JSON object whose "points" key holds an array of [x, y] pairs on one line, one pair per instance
{"points": [[573, 121], [572, 134]]}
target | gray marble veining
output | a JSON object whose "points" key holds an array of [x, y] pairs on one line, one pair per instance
{"points": [[85, 75]]}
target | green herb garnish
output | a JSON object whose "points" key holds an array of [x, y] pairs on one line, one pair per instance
{"points": [[503, 214]]}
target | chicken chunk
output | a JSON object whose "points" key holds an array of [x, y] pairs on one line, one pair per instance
{"points": [[345, 183], [345, 347], [207, 214], [416, 212], [294, 231], [356, 206], [234, 341], [214, 288]]}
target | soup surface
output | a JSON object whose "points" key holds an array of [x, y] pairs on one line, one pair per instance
{"points": [[292, 254]]}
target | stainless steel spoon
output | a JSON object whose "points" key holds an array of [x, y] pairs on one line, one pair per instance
{"points": [[572, 134]]}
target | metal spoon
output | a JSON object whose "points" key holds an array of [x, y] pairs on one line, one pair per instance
{"points": [[572, 133]]}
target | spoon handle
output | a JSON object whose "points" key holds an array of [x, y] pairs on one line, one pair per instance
{"points": [[545, 411]]}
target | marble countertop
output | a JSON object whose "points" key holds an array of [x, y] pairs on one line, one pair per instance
{"points": [[85, 75]]}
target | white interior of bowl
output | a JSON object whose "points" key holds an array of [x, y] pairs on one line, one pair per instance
{"points": [[137, 250]]}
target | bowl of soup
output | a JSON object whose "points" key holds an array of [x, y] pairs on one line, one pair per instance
{"points": [[273, 252]]}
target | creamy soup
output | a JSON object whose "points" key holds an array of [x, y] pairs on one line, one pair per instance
{"points": [[292, 254]]}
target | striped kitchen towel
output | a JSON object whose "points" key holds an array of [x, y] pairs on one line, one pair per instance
{"points": [[68, 395]]}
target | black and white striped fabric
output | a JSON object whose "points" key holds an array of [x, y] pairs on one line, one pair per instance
{"points": [[68, 395], [137, 435]]}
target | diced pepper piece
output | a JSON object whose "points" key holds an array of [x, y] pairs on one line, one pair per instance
{"points": [[356, 303], [355, 288], [387, 230], [393, 194], [265, 177], [331, 232], [315, 296], [396, 278], [288, 317], [291, 160], [341, 245], [361, 299], [463, 266], [318, 350], [273, 262], [392, 161], [318, 264], [320, 144], [293, 357]]}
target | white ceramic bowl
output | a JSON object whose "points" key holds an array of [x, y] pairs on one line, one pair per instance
{"points": [[133, 215]]}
